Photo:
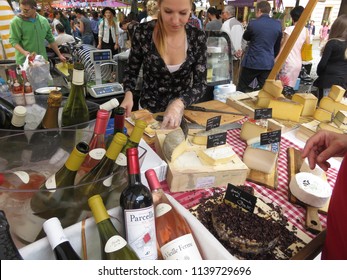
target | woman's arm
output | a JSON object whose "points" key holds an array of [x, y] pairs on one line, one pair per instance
{"points": [[325, 58]]}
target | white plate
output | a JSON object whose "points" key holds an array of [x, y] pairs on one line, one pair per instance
{"points": [[46, 90]]}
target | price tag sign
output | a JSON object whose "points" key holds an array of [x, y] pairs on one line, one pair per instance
{"points": [[240, 198], [213, 122], [216, 139], [264, 113], [270, 137]]}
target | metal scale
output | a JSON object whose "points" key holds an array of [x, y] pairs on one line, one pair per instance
{"points": [[98, 58]]}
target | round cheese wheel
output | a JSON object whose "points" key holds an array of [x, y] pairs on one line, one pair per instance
{"points": [[310, 189]]}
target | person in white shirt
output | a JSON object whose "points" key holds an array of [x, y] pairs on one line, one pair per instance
{"points": [[56, 21], [235, 30], [62, 37]]}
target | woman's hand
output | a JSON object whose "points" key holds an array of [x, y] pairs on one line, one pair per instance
{"points": [[173, 114], [99, 46], [128, 103]]}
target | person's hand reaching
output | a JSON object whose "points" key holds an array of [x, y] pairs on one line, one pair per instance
{"points": [[173, 114]]}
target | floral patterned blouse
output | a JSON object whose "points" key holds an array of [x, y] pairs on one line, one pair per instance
{"points": [[159, 85]]}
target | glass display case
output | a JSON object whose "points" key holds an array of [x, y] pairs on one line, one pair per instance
{"points": [[219, 61]]}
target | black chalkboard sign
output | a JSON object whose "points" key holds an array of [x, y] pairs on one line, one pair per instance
{"points": [[240, 198], [213, 122], [264, 113], [270, 137], [216, 139]]}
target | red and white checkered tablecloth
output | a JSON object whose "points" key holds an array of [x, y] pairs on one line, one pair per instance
{"points": [[294, 213]]}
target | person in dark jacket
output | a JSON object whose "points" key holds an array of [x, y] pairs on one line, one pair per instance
{"points": [[264, 36], [332, 68]]}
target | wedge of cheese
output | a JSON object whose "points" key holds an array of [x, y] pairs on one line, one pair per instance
{"points": [[250, 129], [261, 157], [174, 144], [217, 155], [273, 87], [264, 99], [285, 109], [200, 138], [310, 189], [340, 120], [336, 93], [322, 115], [309, 102], [330, 127], [332, 106]]}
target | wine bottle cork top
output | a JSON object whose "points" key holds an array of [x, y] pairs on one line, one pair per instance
{"points": [[109, 105], [152, 179], [19, 114], [54, 98], [116, 145], [77, 156], [54, 232], [98, 208], [137, 133]]}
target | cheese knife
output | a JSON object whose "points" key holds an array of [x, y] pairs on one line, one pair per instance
{"points": [[203, 109]]}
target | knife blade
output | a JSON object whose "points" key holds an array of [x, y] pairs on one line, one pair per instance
{"points": [[203, 109]]}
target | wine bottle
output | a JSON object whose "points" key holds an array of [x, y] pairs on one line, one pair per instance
{"points": [[57, 192], [93, 183], [22, 180], [6, 112], [137, 204], [97, 145], [118, 120], [17, 90], [113, 245], [173, 233], [8, 250], [60, 244], [76, 110], [133, 141], [109, 105], [28, 90], [50, 118]]}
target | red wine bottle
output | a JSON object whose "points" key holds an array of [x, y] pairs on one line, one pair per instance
{"points": [[137, 204]]}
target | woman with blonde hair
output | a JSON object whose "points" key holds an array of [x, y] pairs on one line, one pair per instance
{"points": [[108, 31], [332, 67], [152, 11], [173, 55]]}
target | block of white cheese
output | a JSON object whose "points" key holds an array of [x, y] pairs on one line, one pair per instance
{"points": [[310, 189], [200, 138], [250, 129], [285, 109], [261, 157], [336, 93], [309, 102], [322, 115], [217, 155]]}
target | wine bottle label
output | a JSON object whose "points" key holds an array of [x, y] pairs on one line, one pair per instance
{"points": [[121, 160], [161, 209], [115, 243], [140, 232], [108, 182], [78, 77], [181, 248], [51, 183], [23, 176], [97, 153]]}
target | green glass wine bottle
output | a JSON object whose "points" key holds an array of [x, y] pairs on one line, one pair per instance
{"points": [[133, 141], [113, 245], [56, 195], [75, 111], [92, 183]]}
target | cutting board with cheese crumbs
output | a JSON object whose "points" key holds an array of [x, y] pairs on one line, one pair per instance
{"points": [[202, 117]]}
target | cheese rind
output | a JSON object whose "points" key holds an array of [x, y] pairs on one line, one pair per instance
{"points": [[330, 127], [285, 109], [332, 106], [261, 157], [217, 155], [263, 99], [309, 102], [273, 87], [340, 119], [310, 189], [250, 129], [174, 144], [336, 93]]}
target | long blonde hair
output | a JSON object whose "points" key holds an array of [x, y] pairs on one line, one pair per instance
{"points": [[160, 33]]}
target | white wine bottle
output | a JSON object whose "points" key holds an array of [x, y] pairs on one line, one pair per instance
{"points": [[138, 211], [113, 245], [61, 246], [174, 235]]}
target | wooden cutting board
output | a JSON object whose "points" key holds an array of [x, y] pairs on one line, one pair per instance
{"points": [[202, 117], [312, 222]]}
